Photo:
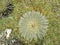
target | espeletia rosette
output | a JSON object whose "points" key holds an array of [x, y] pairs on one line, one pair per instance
{"points": [[33, 26]]}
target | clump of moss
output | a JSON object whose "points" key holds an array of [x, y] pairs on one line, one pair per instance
{"points": [[3, 4]]}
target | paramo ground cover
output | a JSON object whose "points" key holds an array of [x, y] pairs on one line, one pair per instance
{"points": [[10, 18]]}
